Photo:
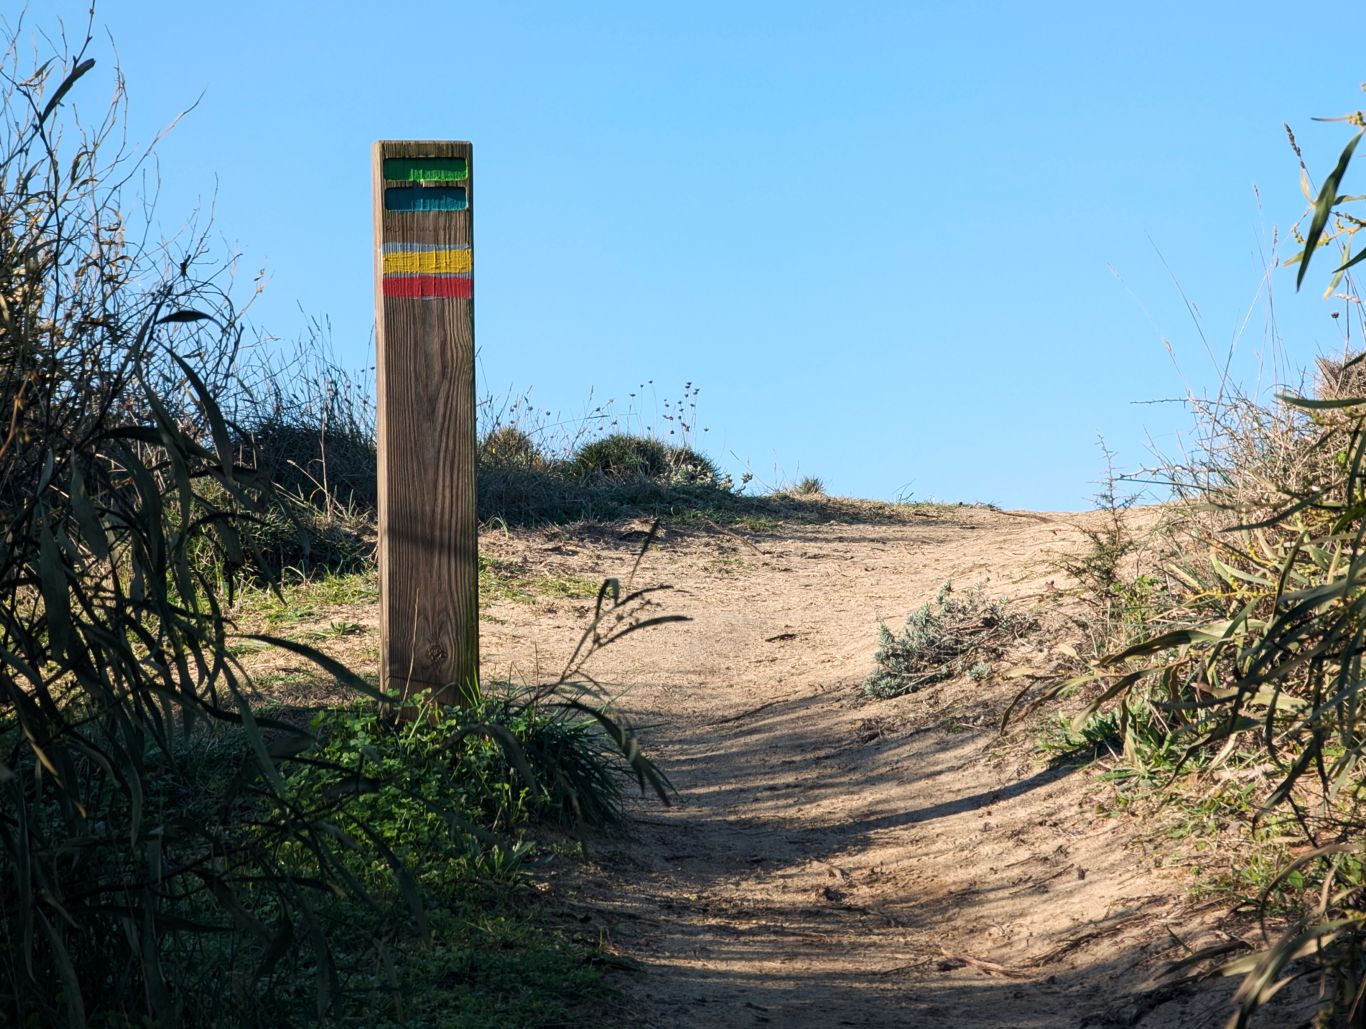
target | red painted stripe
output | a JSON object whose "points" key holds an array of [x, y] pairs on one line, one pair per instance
{"points": [[429, 287]]}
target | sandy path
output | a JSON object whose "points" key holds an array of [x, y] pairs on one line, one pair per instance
{"points": [[834, 860]]}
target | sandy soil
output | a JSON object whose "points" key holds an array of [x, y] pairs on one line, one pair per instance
{"points": [[833, 860]]}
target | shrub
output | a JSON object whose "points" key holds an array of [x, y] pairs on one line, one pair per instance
{"points": [[621, 456], [691, 468], [509, 447], [286, 538], [443, 782], [956, 634], [307, 423], [328, 468]]}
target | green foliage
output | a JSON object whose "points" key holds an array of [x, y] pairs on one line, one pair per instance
{"points": [[508, 580], [302, 601], [324, 466], [621, 456], [693, 468], [433, 794], [578, 769], [1108, 573], [956, 634], [809, 486], [486, 965], [610, 477], [116, 467], [169, 854], [1065, 740], [509, 446], [1253, 658], [443, 782], [1329, 220], [286, 537]]}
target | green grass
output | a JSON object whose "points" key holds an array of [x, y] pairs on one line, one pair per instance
{"points": [[1062, 742], [336, 630], [307, 600], [307, 611], [500, 579], [489, 964]]}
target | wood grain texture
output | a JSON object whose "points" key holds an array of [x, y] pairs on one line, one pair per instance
{"points": [[428, 544]]}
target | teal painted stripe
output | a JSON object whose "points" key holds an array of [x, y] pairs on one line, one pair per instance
{"points": [[426, 198]]}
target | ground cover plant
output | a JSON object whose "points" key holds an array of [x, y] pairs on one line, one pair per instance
{"points": [[172, 853], [958, 633]]}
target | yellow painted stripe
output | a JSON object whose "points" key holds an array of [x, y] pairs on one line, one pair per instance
{"points": [[428, 262]]}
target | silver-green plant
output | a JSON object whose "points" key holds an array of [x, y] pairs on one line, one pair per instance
{"points": [[955, 634]]}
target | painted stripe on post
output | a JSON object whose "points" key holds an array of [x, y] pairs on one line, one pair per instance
{"points": [[428, 261], [396, 248], [426, 198], [426, 169], [429, 287]]}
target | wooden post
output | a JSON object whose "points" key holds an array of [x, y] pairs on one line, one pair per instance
{"points": [[424, 336]]}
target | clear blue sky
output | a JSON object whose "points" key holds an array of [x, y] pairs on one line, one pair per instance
{"points": [[907, 248]]}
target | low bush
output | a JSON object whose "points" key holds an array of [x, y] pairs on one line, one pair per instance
{"points": [[611, 477], [621, 456], [286, 538], [306, 427], [325, 467], [306, 422], [691, 468], [955, 634], [509, 447], [453, 776]]}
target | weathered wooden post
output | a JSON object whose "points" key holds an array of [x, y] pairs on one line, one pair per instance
{"points": [[424, 335]]}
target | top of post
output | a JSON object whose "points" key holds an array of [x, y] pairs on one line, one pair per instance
{"points": [[424, 195]]}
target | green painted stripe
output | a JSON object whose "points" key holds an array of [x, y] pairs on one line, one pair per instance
{"points": [[426, 169]]}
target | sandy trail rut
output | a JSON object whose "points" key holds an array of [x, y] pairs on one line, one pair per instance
{"points": [[834, 860]]}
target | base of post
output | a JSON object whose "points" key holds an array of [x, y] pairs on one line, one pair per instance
{"points": [[415, 695]]}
